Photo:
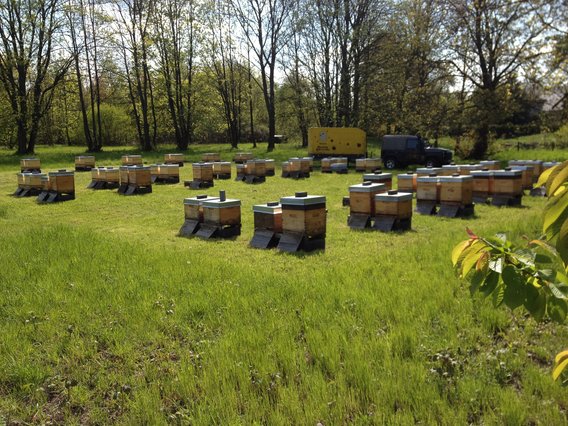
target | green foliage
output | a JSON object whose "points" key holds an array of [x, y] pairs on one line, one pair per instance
{"points": [[117, 127]]}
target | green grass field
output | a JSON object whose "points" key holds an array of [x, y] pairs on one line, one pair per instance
{"points": [[106, 316]]}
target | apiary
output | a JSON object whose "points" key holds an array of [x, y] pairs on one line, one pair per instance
{"points": [[193, 212], [466, 169], [202, 176], [221, 218], [427, 194], [165, 173], [57, 186], [393, 211], [490, 164], [527, 175], [456, 195], [362, 203], [84, 163], [379, 177], [303, 222], [131, 160], [222, 170], [178, 159], [267, 225], [449, 170], [30, 165], [482, 185], [428, 171], [285, 169], [241, 157], [29, 184], [270, 167], [255, 171], [407, 182], [507, 187], [210, 157]]}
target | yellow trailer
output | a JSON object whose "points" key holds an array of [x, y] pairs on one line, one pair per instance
{"points": [[337, 141]]}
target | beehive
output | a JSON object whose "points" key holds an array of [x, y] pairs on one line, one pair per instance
{"points": [[268, 216], [360, 164], [394, 203], [202, 172], [62, 181], [490, 164], [326, 164], [508, 182], [123, 172], [449, 170], [379, 177], [222, 212], [222, 168], [269, 167], [295, 165], [549, 164], [304, 214], [45, 182], [139, 175], [527, 175], [306, 165], [30, 180], [339, 167], [407, 182], [456, 189], [256, 168], [310, 161], [362, 197], [241, 157], [193, 207], [428, 188], [111, 174], [98, 174], [174, 159], [372, 164], [466, 169], [285, 168], [29, 164], [84, 162], [537, 166], [155, 169], [131, 160], [169, 171], [241, 169], [210, 157], [482, 183], [340, 160], [427, 171], [21, 179]]}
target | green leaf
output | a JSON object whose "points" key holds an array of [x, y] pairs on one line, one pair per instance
{"points": [[515, 293], [544, 177], [498, 295], [541, 258], [458, 250], [557, 309], [562, 242], [557, 291], [525, 256], [496, 265], [559, 178], [555, 211], [535, 302], [490, 283], [553, 173], [476, 281], [470, 260]]}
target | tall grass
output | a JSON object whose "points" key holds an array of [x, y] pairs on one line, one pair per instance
{"points": [[106, 316]]}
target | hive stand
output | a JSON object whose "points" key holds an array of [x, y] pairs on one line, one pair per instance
{"points": [[506, 200], [393, 211], [27, 192], [456, 210], [339, 168], [292, 242], [221, 218], [198, 184], [267, 225]]}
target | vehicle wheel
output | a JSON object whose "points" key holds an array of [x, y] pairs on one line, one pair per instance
{"points": [[390, 163], [430, 163]]}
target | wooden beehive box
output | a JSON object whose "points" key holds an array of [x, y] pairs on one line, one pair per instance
{"points": [[202, 172], [508, 182], [394, 203], [112, 175], [379, 177], [222, 167], [21, 179], [466, 169], [372, 164], [427, 188], [295, 164], [407, 182], [305, 165], [45, 182], [169, 170], [427, 171], [449, 170], [341, 160], [360, 164], [256, 168], [123, 171], [456, 189], [193, 207], [155, 169], [33, 180], [490, 164], [527, 175], [222, 213], [30, 164], [241, 169], [326, 164], [62, 181], [210, 157], [538, 168], [174, 158], [268, 216], [139, 175], [482, 182], [362, 197], [285, 167], [83, 161], [549, 164], [270, 166], [310, 161], [98, 174], [304, 214], [131, 160], [241, 157]]}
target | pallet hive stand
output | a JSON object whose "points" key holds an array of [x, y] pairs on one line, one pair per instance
{"points": [[362, 204], [202, 176], [221, 218], [393, 211], [267, 225], [303, 222]]}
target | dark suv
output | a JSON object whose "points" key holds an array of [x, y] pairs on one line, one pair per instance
{"points": [[401, 150]]}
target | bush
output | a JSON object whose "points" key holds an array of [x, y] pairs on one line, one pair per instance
{"points": [[117, 127]]}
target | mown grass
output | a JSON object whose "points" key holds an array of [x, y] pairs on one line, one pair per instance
{"points": [[106, 316]]}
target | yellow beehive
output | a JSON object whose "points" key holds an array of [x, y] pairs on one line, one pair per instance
{"points": [[394, 203], [456, 189], [407, 182], [427, 188], [210, 157], [508, 182], [131, 160], [305, 214], [139, 175], [62, 181], [174, 159], [203, 172], [362, 197]]}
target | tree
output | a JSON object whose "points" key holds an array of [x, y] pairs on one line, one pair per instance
{"points": [[29, 69]]}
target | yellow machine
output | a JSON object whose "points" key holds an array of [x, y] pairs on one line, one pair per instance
{"points": [[337, 141]]}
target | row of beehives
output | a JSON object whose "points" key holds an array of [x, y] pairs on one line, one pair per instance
{"points": [[295, 223], [49, 187]]}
